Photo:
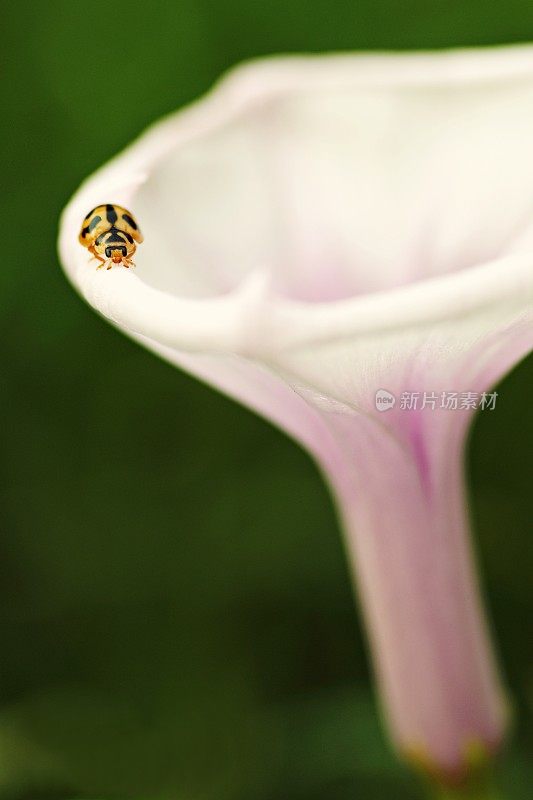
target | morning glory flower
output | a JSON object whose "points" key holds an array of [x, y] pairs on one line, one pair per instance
{"points": [[344, 243]]}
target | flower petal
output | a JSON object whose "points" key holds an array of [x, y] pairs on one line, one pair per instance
{"points": [[317, 229]]}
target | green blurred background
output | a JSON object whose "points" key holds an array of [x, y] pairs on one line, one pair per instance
{"points": [[176, 617]]}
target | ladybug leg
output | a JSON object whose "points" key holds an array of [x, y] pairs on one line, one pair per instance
{"points": [[97, 257], [128, 260]]}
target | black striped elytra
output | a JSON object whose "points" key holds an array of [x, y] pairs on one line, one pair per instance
{"points": [[111, 234]]}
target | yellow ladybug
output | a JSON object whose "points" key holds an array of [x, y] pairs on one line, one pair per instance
{"points": [[110, 233]]}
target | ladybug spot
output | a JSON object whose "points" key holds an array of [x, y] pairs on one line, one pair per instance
{"points": [[130, 221]]}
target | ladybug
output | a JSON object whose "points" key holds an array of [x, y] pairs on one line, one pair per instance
{"points": [[111, 234]]}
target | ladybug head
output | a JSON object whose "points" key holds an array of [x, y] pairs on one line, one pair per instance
{"points": [[116, 254]]}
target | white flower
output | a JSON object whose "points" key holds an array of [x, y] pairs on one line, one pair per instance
{"points": [[319, 229]]}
